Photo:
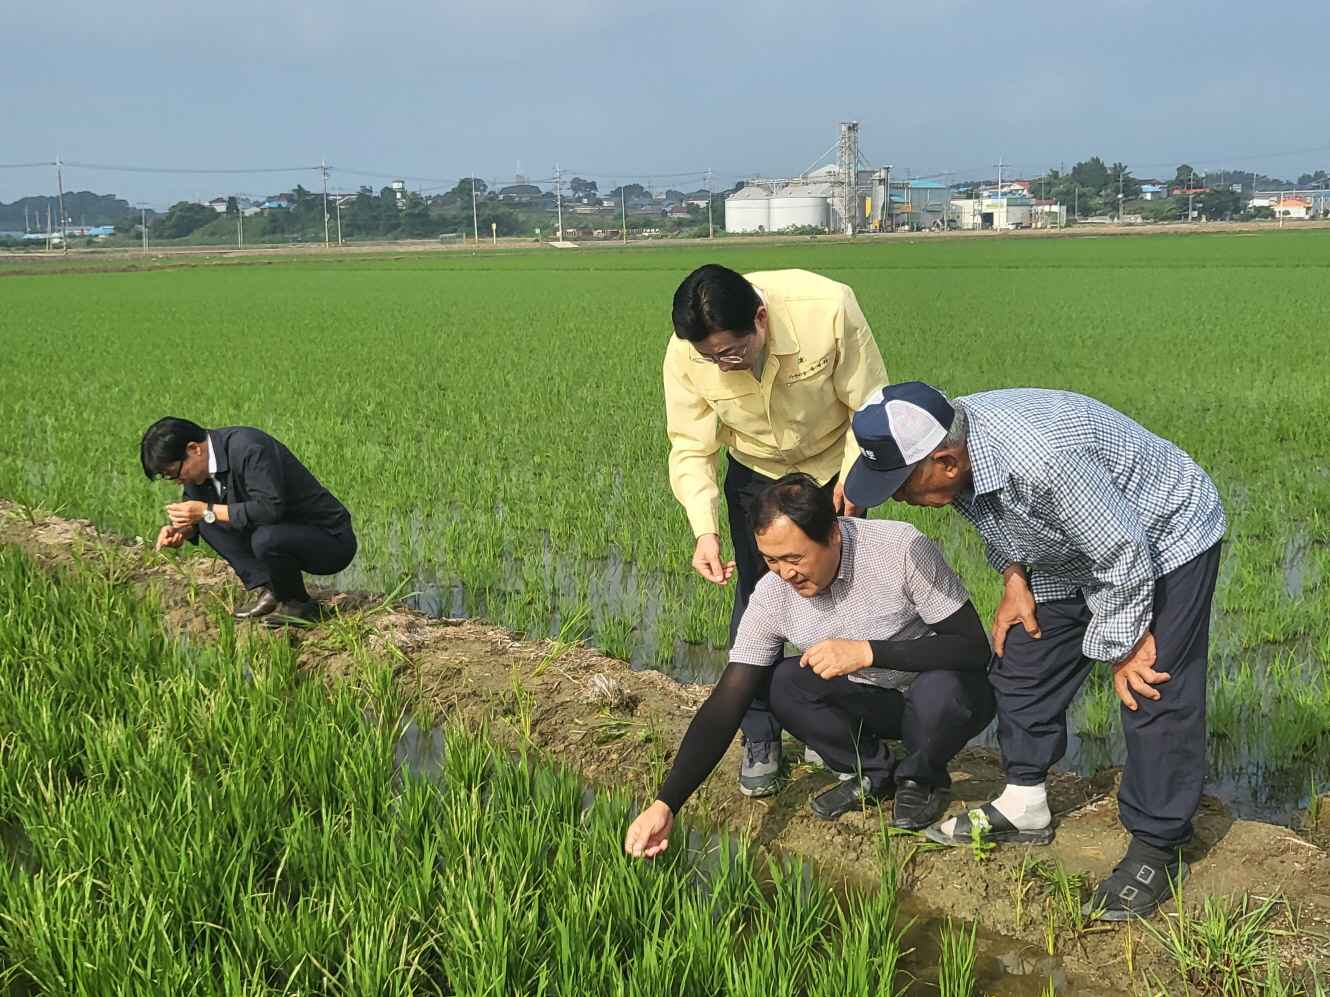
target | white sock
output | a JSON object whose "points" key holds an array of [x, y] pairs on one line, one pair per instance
{"points": [[1025, 806]]}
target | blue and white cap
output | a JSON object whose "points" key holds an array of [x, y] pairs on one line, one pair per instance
{"points": [[896, 428]]}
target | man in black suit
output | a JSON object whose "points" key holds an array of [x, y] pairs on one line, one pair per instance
{"points": [[256, 505]]}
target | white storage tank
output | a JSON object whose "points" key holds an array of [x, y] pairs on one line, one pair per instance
{"points": [[801, 206], [748, 210]]}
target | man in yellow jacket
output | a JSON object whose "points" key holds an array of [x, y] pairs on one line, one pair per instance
{"points": [[770, 366]]}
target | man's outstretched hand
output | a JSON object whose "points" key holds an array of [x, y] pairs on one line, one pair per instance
{"points": [[170, 536]]}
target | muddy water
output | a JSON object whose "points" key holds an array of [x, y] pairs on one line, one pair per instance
{"points": [[1004, 967], [1250, 778]]}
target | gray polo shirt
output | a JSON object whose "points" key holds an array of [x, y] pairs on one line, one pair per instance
{"points": [[892, 584]]}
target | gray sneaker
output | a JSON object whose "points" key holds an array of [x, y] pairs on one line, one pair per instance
{"points": [[759, 772], [814, 760]]}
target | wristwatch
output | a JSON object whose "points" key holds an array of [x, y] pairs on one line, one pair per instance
{"points": [[209, 516]]}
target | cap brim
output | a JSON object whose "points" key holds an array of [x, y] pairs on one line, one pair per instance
{"points": [[866, 486]]}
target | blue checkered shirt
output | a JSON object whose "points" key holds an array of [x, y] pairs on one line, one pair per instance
{"points": [[1091, 503]]}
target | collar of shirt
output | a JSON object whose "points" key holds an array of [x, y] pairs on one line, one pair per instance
{"points": [[781, 339], [988, 468], [845, 570], [212, 458]]}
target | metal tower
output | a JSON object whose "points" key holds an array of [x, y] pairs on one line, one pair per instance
{"points": [[849, 168]]}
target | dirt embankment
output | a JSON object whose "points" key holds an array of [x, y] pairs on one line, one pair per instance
{"points": [[620, 727]]}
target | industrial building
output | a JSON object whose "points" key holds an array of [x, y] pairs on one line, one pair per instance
{"points": [[783, 205], [814, 201]]}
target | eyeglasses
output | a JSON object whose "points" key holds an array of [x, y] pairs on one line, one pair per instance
{"points": [[172, 475], [732, 357]]}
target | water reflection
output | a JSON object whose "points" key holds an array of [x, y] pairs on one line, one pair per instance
{"points": [[1256, 780]]}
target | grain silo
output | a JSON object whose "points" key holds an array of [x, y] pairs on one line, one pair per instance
{"points": [[801, 205], [748, 210]]}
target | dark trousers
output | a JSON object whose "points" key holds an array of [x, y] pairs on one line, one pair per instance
{"points": [[1036, 680], [742, 486], [275, 555], [847, 722]]}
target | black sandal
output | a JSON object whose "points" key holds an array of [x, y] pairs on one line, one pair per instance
{"points": [[1137, 888], [991, 827]]}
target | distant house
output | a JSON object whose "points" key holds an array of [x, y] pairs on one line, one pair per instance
{"points": [[698, 202], [278, 202], [1153, 192], [218, 204], [520, 193], [1293, 208], [677, 211]]}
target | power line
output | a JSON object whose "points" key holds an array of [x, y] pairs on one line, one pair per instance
{"points": [[167, 169]]}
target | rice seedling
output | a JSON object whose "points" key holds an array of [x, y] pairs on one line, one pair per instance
{"points": [[591, 523], [197, 832], [956, 968], [1228, 946], [1100, 707]]}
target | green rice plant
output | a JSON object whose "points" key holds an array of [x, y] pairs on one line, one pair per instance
{"points": [[519, 547], [1021, 885], [205, 833], [1065, 895], [1225, 948], [572, 631], [1100, 707], [1232, 698], [616, 636], [956, 966], [521, 706]]}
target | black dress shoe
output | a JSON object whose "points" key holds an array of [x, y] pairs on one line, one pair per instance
{"points": [[917, 806], [298, 613], [262, 606], [851, 794]]}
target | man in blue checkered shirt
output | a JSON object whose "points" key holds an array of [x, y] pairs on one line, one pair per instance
{"points": [[1107, 538]]}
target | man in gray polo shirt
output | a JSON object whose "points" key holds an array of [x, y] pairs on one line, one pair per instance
{"points": [[891, 649]]}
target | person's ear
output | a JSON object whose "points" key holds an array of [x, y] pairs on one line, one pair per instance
{"points": [[948, 462], [760, 319]]}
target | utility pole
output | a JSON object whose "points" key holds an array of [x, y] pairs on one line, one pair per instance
{"points": [[999, 164], [1121, 174], [323, 168], [60, 183], [240, 226], [143, 224], [623, 209], [1191, 182], [558, 197], [711, 231], [475, 224], [338, 201], [1076, 213]]}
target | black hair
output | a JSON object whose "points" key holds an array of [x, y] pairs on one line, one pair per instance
{"points": [[164, 443], [714, 298], [798, 498]]}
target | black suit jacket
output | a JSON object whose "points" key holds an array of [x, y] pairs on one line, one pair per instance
{"points": [[265, 484]]}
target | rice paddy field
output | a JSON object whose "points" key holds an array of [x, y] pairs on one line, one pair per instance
{"points": [[495, 424]]}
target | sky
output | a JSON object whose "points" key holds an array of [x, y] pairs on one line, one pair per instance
{"points": [[644, 92]]}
